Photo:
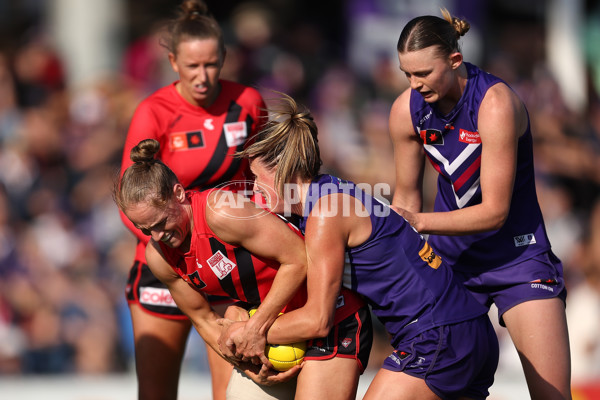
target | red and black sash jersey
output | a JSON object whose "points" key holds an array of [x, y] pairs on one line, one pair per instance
{"points": [[197, 143], [215, 267]]}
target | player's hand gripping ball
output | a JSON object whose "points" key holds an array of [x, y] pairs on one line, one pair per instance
{"points": [[284, 356]]}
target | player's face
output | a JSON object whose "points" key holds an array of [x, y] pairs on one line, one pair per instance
{"points": [[198, 63], [264, 183], [170, 225], [429, 73]]}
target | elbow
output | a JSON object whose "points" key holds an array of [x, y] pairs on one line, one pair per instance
{"points": [[498, 220], [320, 327]]}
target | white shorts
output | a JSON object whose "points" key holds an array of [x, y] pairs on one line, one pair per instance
{"points": [[241, 387]]}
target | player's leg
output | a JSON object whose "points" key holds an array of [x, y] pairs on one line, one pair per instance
{"points": [[159, 349], [392, 385], [333, 379], [538, 329]]}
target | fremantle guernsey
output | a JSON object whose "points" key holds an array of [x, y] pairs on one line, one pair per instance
{"points": [[408, 286], [197, 143], [453, 146]]}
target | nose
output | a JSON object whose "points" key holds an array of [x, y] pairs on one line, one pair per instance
{"points": [[156, 235], [415, 83]]}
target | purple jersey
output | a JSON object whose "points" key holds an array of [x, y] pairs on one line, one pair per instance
{"points": [[408, 286], [453, 146]]}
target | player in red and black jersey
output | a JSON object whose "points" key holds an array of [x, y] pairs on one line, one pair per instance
{"points": [[219, 242], [200, 122]]}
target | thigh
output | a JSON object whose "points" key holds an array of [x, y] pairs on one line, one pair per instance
{"points": [[315, 379], [393, 385], [539, 332], [159, 348], [220, 373]]}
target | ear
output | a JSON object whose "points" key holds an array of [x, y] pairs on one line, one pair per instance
{"points": [[173, 61], [456, 60], [179, 193]]}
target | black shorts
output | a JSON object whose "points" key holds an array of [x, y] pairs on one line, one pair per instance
{"points": [[351, 338], [145, 290]]}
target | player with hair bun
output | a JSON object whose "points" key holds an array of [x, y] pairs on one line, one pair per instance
{"points": [[486, 222], [219, 242], [444, 343], [200, 121]]}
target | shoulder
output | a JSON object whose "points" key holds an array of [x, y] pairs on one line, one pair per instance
{"points": [[400, 115], [500, 98], [242, 94]]}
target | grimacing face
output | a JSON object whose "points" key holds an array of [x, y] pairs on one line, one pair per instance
{"points": [[198, 63], [428, 73], [170, 225]]}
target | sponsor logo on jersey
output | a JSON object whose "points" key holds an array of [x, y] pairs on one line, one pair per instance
{"points": [[185, 140], [469, 137], [432, 136], [235, 133], [156, 297], [428, 255], [524, 240], [208, 124], [220, 264], [542, 286], [346, 342], [194, 279]]}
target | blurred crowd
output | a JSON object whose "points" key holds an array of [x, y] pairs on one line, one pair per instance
{"points": [[64, 253]]}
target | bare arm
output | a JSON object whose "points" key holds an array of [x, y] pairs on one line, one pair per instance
{"points": [[327, 236], [409, 157], [190, 302], [264, 235], [502, 120]]}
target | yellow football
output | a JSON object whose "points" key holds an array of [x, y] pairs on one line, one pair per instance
{"points": [[284, 356]]}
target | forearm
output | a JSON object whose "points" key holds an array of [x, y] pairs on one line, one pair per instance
{"points": [[466, 221], [288, 280]]}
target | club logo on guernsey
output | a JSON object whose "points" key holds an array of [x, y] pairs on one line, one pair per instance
{"points": [[428, 255], [346, 342], [220, 265], [235, 133]]}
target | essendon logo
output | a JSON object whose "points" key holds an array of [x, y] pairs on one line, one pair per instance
{"points": [[346, 342], [194, 279], [469, 137], [185, 140], [432, 136], [220, 264], [235, 133]]}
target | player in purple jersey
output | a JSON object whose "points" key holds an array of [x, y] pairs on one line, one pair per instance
{"points": [[486, 222], [445, 346]]}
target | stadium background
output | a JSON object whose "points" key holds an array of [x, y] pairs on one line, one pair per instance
{"points": [[72, 72]]}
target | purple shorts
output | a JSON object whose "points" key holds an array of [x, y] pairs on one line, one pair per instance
{"points": [[540, 277], [457, 360]]}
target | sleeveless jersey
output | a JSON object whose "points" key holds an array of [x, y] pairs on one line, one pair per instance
{"points": [[214, 267], [197, 143], [453, 146], [409, 287]]}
